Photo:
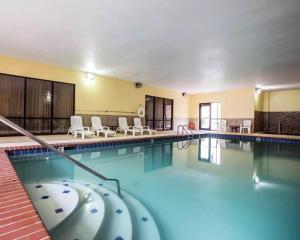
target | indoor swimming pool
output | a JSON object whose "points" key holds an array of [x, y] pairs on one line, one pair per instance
{"points": [[205, 188]]}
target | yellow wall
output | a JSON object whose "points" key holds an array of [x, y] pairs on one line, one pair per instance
{"points": [[234, 103], [282, 101], [259, 101], [101, 94], [119, 95]]}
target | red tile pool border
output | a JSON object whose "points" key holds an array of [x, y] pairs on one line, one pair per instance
{"points": [[18, 217]]}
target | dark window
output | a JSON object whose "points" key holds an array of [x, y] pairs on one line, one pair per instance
{"points": [[12, 96], [63, 104], [38, 98], [11, 101], [149, 116], [40, 106], [159, 113]]}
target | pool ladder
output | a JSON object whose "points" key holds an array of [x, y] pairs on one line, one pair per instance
{"points": [[59, 152], [183, 129]]}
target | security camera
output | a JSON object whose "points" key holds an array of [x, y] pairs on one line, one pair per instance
{"points": [[138, 85]]}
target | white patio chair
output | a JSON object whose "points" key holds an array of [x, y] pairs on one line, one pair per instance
{"points": [[223, 126], [246, 125], [123, 127], [144, 129], [98, 128], [78, 129]]}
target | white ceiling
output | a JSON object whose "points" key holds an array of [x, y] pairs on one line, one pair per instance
{"points": [[187, 45]]}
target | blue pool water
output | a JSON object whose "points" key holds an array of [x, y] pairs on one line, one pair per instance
{"points": [[209, 189]]}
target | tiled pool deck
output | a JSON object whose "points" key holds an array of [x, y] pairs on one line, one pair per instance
{"points": [[18, 217], [62, 140]]}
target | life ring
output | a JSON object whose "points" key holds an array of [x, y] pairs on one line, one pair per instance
{"points": [[141, 112], [192, 126]]}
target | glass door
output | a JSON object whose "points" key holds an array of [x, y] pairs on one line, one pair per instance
{"points": [[215, 116], [158, 113], [168, 114], [210, 116], [205, 116]]}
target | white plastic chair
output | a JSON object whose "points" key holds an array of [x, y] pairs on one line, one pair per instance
{"points": [[77, 128], [223, 126], [98, 128], [144, 129], [246, 125], [123, 127]]}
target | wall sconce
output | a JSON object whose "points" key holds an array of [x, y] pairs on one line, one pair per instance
{"points": [[89, 76], [48, 97]]}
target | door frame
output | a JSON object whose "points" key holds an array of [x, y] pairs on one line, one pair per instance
{"points": [[200, 105]]}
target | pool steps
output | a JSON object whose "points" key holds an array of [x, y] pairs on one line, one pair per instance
{"points": [[97, 212]]}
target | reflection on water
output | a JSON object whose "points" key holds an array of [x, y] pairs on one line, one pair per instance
{"points": [[271, 162], [209, 150], [158, 156], [153, 156], [46, 166], [277, 163]]}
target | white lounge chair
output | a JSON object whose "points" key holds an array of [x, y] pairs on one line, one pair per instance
{"points": [[78, 129], [246, 125], [98, 128], [144, 129], [123, 127]]}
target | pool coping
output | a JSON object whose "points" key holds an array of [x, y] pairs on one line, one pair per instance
{"points": [[15, 150], [23, 227], [36, 148]]}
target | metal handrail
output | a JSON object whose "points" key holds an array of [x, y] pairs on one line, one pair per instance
{"points": [[184, 128], [184, 145], [53, 149]]}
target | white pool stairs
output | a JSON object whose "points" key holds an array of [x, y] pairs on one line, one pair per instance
{"points": [[82, 211]]}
